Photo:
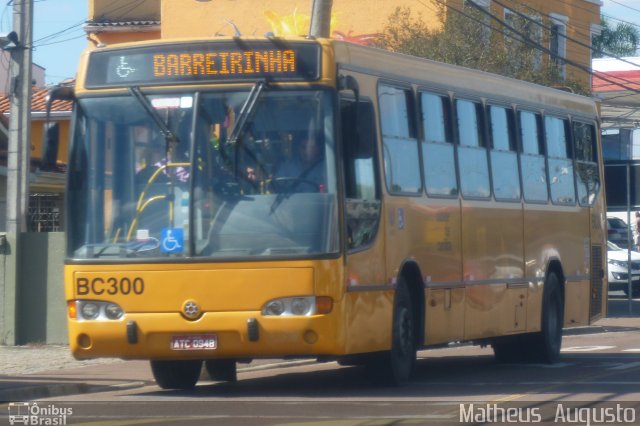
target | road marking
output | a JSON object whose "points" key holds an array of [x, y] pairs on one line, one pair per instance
{"points": [[586, 348], [631, 350], [626, 366]]}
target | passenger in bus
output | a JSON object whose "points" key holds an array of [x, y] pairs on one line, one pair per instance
{"points": [[304, 172]]}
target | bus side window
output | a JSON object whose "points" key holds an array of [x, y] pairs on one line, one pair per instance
{"points": [[560, 162], [401, 157], [584, 140], [534, 170], [504, 156], [361, 186], [472, 152], [438, 160]]}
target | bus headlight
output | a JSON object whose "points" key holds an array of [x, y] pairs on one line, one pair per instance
{"points": [[89, 310], [97, 310], [298, 306], [113, 311]]}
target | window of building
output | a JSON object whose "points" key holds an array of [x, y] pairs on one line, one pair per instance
{"points": [[532, 160], [472, 152], [482, 17], [438, 157], [45, 213], [401, 155], [529, 28], [558, 41], [504, 156], [560, 160]]}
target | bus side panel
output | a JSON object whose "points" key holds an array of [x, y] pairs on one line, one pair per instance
{"points": [[561, 234], [438, 252], [493, 268]]}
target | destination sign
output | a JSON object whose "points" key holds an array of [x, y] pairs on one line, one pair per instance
{"points": [[204, 62]]}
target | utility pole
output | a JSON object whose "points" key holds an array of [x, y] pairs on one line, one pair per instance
{"points": [[18, 163], [321, 18], [19, 155]]}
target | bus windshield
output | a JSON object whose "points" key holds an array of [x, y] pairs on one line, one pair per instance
{"points": [[209, 174]]}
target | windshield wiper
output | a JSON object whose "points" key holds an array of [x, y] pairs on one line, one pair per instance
{"points": [[169, 136], [246, 112]]}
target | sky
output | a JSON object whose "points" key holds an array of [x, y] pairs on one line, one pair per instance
{"points": [[59, 37]]}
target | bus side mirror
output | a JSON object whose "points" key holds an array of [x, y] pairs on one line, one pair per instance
{"points": [[58, 93], [51, 139], [50, 143]]}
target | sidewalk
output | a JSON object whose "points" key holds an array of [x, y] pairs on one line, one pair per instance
{"points": [[39, 371]]}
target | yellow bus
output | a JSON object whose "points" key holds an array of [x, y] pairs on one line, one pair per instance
{"points": [[232, 199]]}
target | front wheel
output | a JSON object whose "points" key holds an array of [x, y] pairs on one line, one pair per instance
{"points": [[176, 374], [395, 367]]}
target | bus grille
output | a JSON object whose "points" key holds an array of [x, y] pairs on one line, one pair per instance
{"points": [[596, 281]]}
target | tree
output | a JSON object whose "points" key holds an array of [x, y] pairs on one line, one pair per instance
{"points": [[622, 40], [473, 41]]}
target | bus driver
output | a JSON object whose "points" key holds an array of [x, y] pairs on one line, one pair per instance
{"points": [[306, 171]]}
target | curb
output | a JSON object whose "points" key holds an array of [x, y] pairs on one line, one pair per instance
{"points": [[30, 393]]}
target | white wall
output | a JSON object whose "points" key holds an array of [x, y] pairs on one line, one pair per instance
{"points": [[37, 74]]}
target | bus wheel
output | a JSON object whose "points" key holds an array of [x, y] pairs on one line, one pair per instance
{"points": [[176, 374], [545, 345], [222, 370], [395, 367]]}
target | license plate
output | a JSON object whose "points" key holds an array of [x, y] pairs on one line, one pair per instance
{"points": [[200, 342]]}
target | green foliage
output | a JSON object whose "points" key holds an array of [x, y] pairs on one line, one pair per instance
{"points": [[622, 40], [474, 41]]}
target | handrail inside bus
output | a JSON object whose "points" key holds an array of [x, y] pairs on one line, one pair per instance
{"points": [[142, 204]]}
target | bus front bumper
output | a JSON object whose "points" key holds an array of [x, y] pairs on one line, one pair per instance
{"points": [[213, 335]]}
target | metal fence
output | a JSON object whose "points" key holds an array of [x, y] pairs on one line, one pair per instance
{"points": [[45, 212]]}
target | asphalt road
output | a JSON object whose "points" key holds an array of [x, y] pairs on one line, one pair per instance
{"points": [[599, 375]]}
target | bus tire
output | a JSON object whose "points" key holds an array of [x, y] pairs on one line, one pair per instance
{"points": [[395, 366], [182, 374], [222, 370], [545, 344]]}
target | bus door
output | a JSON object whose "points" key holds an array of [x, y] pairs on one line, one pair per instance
{"points": [[365, 267]]}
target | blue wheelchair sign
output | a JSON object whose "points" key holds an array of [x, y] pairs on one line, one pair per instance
{"points": [[172, 240]]}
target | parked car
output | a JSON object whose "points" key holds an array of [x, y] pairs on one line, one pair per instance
{"points": [[618, 271], [618, 231]]}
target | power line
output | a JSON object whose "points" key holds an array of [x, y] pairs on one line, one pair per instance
{"points": [[527, 40]]}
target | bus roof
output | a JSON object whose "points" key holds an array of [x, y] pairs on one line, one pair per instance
{"points": [[463, 81]]}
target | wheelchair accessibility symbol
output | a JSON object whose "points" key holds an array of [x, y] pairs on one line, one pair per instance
{"points": [[172, 240]]}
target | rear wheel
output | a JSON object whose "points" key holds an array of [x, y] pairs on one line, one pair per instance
{"points": [[395, 366], [176, 374], [542, 346], [545, 345], [222, 370]]}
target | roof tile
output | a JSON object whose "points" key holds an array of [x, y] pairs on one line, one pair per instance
{"points": [[38, 103]]}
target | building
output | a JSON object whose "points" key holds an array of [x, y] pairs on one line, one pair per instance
{"points": [[46, 183], [37, 74], [563, 28]]}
